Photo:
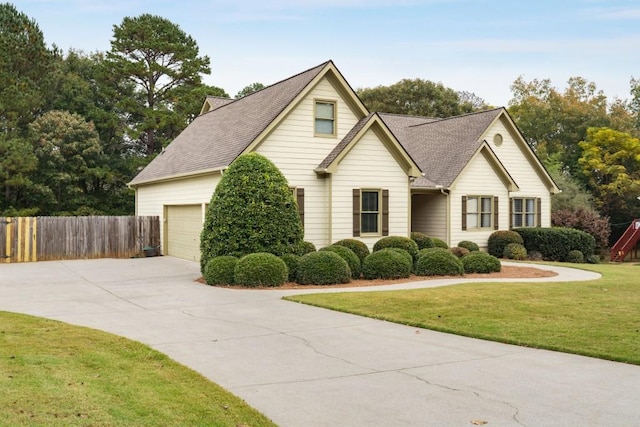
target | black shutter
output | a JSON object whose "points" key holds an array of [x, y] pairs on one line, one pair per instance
{"points": [[385, 212], [464, 213], [300, 201], [539, 212], [496, 213], [510, 214], [356, 212]]}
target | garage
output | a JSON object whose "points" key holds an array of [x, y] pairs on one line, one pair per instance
{"points": [[183, 227]]}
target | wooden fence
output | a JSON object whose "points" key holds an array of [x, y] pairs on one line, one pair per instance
{"points": [[45, 238]]}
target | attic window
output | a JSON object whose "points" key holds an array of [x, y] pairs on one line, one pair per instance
{"points": [[325, 118], [497, 140]]}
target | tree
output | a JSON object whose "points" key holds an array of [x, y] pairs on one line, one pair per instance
{"points": [[611, 162], [17, 162], [252, 210], [415, 97], [25, 64], [161, 62], [253, 87]]}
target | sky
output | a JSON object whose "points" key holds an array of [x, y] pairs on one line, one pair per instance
{"points": [[480, 46]]}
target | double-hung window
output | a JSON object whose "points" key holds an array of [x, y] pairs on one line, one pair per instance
{"points": [[370, 212], [524, 212], [325, 118], [478, 212]]}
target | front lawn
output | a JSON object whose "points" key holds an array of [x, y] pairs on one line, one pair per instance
{"points": [[56, 374], [599, 318]]}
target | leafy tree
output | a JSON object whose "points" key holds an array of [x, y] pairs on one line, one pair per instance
{"points": [[253, 87], [415, 97], [162, 63], [574, 195], [611, 162], [471, 101], [252, 210], [17, 162]]}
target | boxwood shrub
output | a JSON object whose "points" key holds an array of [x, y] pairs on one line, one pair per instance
{"points": [[422, 240], [555, 243], [304, 248], [439, 263], [323, 268], [260, 269], [459, 251], [397, 242], [468, 244], [480, 262], [515, 251], [292, 261], [424, 251], [386, 264], [357, 246], [593, 259], [219, 270], [575, 256], [439, 243], [498, 240], [348, 255]]}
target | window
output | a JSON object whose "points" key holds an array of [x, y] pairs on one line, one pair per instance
{"points": [[370, 212], [525, 212], [479, 212], [325, 118]]}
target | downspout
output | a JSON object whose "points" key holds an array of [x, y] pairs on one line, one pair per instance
{"points": [[448, 203], [330, 193]]}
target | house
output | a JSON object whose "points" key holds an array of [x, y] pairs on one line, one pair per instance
{"points": [[355, 173]]}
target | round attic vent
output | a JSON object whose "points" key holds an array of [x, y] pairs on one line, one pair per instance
{"points": [[497, 140]]}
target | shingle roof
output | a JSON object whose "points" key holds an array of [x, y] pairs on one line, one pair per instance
{"points": [[345, 141], [441, 147], [217, 101], [215, 139]]}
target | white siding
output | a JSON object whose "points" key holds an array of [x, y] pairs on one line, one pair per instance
{"points": [[521, 168], [152, 199], [369, 165], [478, 178], [429, 215], [295, 150]]}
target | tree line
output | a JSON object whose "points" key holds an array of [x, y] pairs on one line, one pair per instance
{"points": [[75, 127]]}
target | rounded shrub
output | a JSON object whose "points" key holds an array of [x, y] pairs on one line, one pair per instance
{"points": [[534, 256], [498, 240], [439, 243], [219, 270], [480, 262], [323, 268], [593, 259], [348, 255], [422, 240], [439, 263], [260, 269], [397, 242], [304, 248], [357, 246], [386, 264], [469, 245], [459, 251], [575, 256], [424, 251], [515, 251], [292, 261], [404, 253]]}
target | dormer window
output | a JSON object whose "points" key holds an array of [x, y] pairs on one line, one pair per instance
{"points": [[325, 118]]}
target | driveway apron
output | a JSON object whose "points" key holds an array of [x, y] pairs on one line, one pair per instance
{"points": [[306, 366]]}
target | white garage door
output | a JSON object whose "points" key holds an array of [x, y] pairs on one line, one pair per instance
{"points": [[184, 224]]}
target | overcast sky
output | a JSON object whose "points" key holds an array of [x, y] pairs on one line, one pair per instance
{"points": [[480, 46]]}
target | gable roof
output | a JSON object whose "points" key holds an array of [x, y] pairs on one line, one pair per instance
{"points": [[214, 139], [213, 102], [371, 121], [441, 147]]}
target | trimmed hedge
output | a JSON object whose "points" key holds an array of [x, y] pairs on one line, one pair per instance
{"points": [[292, 261], [515, 251], [397, 242], [480, 262], [439, 243], [323, 268], [220, 270], [498, 240], [348, 255], [439, 263], [424, 251], [260, 269], [386, 264], [422, 240], [555, 243], [357, 246], [459, 251], [575, 256], [469, 245]]}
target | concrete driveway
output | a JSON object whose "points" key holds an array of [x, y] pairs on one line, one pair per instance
{"points": [[306, 366]]}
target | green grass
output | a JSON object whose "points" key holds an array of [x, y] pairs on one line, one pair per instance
{"points": [[599, 318], [55, 374]]}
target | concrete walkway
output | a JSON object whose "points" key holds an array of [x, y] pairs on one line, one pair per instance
{"points": [[305, 366]]}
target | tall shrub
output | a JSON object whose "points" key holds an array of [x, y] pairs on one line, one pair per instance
{"points": [[252, 210], [585, 220]]}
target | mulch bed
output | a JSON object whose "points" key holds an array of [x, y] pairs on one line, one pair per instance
{"points": [[508, 272]]}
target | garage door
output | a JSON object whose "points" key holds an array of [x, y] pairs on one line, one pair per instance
{"points": [[184, 224]]}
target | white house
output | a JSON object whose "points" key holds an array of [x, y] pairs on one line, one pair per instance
{"points": [[356, 174]]}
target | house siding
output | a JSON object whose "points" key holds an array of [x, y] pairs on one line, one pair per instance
{"points": [[429, 215], [294, 149], [521, 168], [479, 178], [375, 168], [152, 199]]}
